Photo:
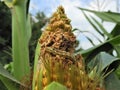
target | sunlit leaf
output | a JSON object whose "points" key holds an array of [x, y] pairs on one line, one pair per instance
{"points": [[105, 16]]}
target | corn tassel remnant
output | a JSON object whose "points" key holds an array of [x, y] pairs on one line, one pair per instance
{"points": [[58, 61]]}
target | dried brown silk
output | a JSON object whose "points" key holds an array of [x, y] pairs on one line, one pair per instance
{"points": [[57, 58]]}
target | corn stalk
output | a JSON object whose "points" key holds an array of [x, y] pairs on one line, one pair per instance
{"points": [[20, 38]]}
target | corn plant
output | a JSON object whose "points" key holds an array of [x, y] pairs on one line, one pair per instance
{"points": [[56, 65]]}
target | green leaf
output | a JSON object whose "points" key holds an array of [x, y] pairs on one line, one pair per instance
{"points": [[10, 82], [116, 30], [113, 39], [106, 46], [55, 86], [118, 72], [105, 16], [93, 25], [92, 52], [37, 53], [90, 40], [112, 82], [104, 60], [101, 27]]}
